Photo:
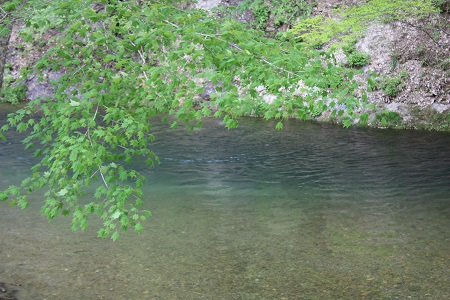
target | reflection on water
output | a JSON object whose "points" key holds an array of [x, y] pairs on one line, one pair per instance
{"points": [[310, 212]]}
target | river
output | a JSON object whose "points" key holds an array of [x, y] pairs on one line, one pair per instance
{"points": [[310, 212]]}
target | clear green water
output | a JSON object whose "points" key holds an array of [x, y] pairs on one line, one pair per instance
{"points": [[311, 212]]}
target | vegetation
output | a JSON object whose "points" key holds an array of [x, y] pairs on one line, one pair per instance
{"points": [[12, 92], [350, 23], [429, 119], [123, 63], [392, 85], [4, 39], [281, 12], [355, 59], [388, 119], [358, 59]]}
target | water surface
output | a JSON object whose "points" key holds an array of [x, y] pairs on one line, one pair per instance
{"points": [[310, 212]]}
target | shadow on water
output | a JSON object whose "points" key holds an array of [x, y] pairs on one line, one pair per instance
{"points": [[310, 212]]}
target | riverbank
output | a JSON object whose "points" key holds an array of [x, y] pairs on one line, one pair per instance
{"points": [[407, 76], [406, 81]]}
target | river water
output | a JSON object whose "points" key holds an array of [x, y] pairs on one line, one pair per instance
{"points": [[310, 212]]}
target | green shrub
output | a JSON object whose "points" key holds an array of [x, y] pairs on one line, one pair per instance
{"points": [[13, 94], [388, 119], [349, 47], [358, 59], [391, 86], [280, 11], [262, 14], [373, 83]]}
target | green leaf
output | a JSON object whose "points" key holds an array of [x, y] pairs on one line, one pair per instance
{"points": [[115, 236], [62, 192], [102, 233], [347, 123], [364, 119], [116, 215], [138, 227], [279, 126], [74, 103], [4, 196]]}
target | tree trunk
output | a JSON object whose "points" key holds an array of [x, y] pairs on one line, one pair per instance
{"points": [[5, 33]]}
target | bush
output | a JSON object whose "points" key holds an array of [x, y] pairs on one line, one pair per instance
{"points": [[262, 14], [358, 59], [391, 86], [281, 12], [13, 94], [388, 119]]}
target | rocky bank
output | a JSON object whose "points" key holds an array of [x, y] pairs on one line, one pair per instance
{"points": [[410, 50], [414, 48]]}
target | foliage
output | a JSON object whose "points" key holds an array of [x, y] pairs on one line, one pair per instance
{"points": [[261, 13], [429, 119], [443, 5], [349, 48], [355, 59], [282, 12], [4, 40], [124, 63], [388, 119], [373, 82], [13, 94], [358, 59], [349, 24], [391, 86]]}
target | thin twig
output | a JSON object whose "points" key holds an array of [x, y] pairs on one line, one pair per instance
{"points": [[103, 178], [141, 54], [4, 14], [99, 167], [95, 115], [93, 174]]}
